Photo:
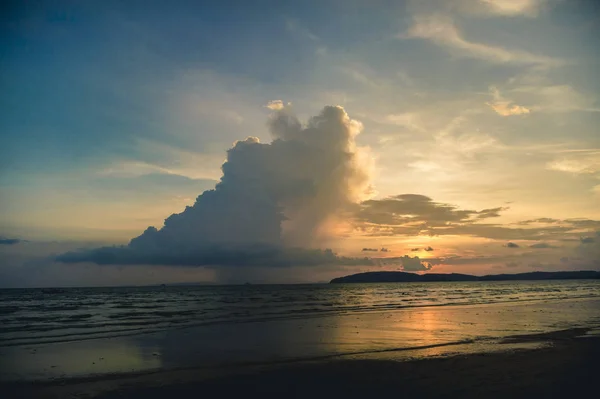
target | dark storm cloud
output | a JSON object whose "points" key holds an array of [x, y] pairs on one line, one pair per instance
{"points": [[417, 209], [412, 214], [222, 256], [512, 245], [588, 250], [9, 241], [264, 256], [542, 245], [490, 213], [540, 220]]}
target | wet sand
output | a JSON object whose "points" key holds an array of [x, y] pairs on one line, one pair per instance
{"points": [[539, 349], [565, 366]]}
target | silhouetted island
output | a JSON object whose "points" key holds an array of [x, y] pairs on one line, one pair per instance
{"points": [[395, 277]]}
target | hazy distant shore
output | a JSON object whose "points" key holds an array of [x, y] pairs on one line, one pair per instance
{"points": [[562, 367], [404, 277]]}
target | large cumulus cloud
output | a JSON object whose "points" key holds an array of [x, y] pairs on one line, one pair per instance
{"points": [[272, 200]]}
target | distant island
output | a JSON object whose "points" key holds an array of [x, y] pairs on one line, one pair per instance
{"points": [[396, 277]]}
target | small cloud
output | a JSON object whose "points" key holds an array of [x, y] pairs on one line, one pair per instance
{"points": [[542, 245], [276, 105], [428, 249], [505, 107], [587, 240], [9, 241], [442, 31], [512, 8], [415, 249], [512, 245], [369, 250], [558, 98], [407, 120], [589, 164], [384, 250], [538, 265], [490, 213], [294, 27], [413, 264]]}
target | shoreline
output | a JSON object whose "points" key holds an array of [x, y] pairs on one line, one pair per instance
{"points": [[325, 314], [557, 363]]}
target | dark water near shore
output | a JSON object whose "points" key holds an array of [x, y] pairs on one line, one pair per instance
{"points": [[33, 316]]}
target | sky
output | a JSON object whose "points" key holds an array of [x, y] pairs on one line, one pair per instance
{"points": [[149, 142]]}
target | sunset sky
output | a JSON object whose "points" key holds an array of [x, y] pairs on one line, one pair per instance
{"points": [[458, 136]]}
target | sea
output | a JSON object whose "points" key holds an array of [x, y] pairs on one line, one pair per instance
{"points": [[43, 316]]}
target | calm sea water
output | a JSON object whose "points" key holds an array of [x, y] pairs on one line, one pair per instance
{"points": [[32, 316]]}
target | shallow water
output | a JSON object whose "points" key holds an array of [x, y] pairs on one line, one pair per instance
{"points": [[34, 316]]}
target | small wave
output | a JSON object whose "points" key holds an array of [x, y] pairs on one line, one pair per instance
{"points": [[8, 309], [160, 313], [124, 306], [57, 308], [79, 316], [134, 306], [28, 319]]}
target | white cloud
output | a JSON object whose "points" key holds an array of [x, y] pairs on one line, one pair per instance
{"points": [[164, 159], [483, 8], [456, 147], [408, 120], [361, 75], [527, 8], [586, 164], [442, 31], [558, 98], [294, 27], [465, 144], [275, 105], [505, 107], [133, 169], [270, 199]]}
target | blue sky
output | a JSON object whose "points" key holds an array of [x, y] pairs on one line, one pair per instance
{"points": [[118, 114]]}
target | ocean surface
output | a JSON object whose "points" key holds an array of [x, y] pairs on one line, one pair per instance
{"points": [[36, 316]]}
